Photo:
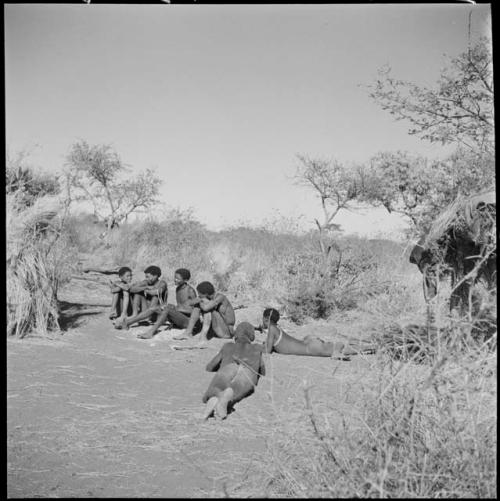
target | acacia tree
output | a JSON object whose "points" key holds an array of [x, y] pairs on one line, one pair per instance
{"points": [[336, 186], [458, 110], [96, 174]]}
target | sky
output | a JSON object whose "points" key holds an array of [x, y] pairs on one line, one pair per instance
{"points": [[220, 99]]}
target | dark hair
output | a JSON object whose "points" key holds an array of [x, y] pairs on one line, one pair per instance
{"points": [[184, 273], [272, 314], [245, 330], [153, 270], [205, 288], [123, 270]]}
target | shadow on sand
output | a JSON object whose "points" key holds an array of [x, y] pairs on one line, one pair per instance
{"points": [[71, 315]]}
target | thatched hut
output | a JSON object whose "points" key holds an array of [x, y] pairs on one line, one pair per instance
{"points": [[32, 267], [461, 243]]}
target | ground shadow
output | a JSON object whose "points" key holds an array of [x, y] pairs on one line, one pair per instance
{"points": [[71, 315]]}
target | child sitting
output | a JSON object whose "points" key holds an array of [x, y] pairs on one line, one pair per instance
{"points": [[239, 365], [120, 288]]}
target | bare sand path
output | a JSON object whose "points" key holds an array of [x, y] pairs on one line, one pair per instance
{"points": [[99, 413]]}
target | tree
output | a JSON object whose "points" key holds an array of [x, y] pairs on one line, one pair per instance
{"points": [[406, 184], [336, 186], [96, 173], [459, 110]]}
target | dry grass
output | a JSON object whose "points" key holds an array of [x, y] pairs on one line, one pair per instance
{"points": [[34, 259]]}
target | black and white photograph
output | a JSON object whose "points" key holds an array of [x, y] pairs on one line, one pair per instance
{"points": [[250, 250]]}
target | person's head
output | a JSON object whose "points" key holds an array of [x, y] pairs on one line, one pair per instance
{"points": [[205, 290], [244, 333], [270, 316], [181, 276], [125, 274], [152, 273]]}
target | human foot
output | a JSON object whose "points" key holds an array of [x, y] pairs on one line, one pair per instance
{"points": [[182, 335], [209, 408], [224, 399], [146, 335]]}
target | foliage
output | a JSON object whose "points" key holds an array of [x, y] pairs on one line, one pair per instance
{"points": [[419, 189], [316, 292], [337, 186], [460, 108], [28, 183], [96, 173]]}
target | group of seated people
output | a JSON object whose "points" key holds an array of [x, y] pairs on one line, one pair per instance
{"points": [[208, 313]]}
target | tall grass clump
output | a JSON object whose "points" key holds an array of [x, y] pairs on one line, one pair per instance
{"points": [[400, 430], [35, 264]]}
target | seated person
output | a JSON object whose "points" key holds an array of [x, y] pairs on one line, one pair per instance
{"points": [[149, 295], [280, 342], [120, 303], [216, 311], [238, 367], [185, 296]]}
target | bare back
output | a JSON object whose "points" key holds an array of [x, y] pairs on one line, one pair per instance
{"points": [[287, 345]]}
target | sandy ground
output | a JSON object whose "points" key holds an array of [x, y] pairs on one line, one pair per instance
{"points": [[97, 412]]}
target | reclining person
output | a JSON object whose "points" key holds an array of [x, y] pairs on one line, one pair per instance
{"points": [[239, 365], [280, 342]]}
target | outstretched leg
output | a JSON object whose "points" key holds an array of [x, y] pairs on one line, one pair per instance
{"points": [[162, 318], [127, 322]]}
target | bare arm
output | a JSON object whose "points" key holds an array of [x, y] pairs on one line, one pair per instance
{"points": [[262, 367], [271, 336], [138, 287], [119, 286], [209, 305], [213, 365]]}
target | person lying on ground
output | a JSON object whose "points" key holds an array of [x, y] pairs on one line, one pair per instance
{"points": [[280, 342], [120, 296], [178, 316], [216, 312], [149, 295], [239, 365]]}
